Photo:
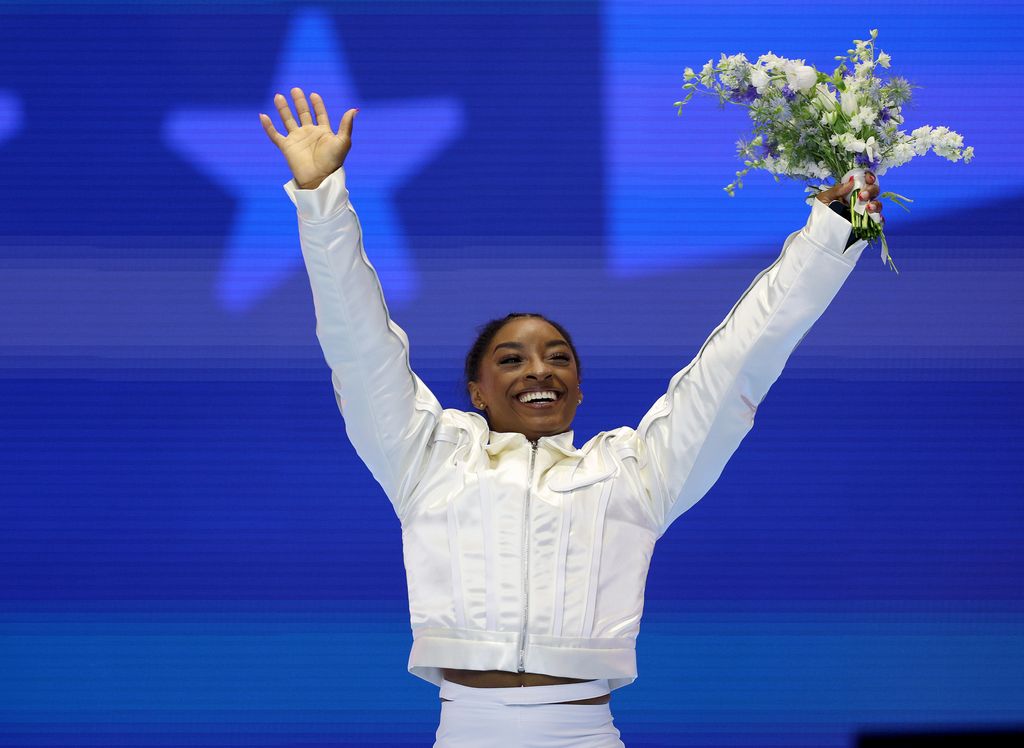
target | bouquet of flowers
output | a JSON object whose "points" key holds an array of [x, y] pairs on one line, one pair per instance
{"points": [[809, 125]]}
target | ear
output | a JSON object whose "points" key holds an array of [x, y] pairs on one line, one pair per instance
{"points": [[474, 394]]}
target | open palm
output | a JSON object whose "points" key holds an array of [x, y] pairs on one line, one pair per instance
{"points": [[313, 151]]}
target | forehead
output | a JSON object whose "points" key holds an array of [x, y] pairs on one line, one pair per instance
{"points": [[526, 330]]}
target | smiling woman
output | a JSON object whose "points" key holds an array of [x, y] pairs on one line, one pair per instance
{"points": [[526, 557], [523, 372]]}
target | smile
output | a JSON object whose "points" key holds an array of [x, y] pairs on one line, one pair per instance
{"points": [[541, 404]]}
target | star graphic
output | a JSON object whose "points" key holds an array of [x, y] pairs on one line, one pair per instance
{"points": [[11, 115], [390, 142]]}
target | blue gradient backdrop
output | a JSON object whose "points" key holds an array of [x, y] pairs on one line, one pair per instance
{"points": [[191, 552]]}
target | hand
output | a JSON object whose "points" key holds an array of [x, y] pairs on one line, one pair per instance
{"points": [[313, 151], [842, 192]]}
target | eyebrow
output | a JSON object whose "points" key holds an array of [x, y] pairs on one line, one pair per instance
{"points": [[520, 346]]}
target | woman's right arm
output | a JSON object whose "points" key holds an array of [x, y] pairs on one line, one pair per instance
{"points": [[389, 412]]}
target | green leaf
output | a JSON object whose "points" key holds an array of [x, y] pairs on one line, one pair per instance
{"points": [[897, 199]]}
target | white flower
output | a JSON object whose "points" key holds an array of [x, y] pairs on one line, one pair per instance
{"points": [[863, 50], [825, 99], [865, 116], [921, 140], [849, 103], [883, 59], [946, 143], [867, 147], [901, 153], [759, 78], [801, 78], [773, 62], [707, 73], [733, 69], [817, 170], [871, 148]]}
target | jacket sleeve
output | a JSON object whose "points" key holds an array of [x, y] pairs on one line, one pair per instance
{"points": [[389, 412], [695, 427]]}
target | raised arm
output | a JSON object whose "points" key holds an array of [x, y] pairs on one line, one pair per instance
{"points": [[695, 427], [389, 412]]}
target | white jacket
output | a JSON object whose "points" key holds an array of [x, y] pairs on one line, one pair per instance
{"points": [[533, 557]]}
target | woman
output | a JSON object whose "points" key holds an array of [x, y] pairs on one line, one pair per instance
{"points": [[526, 557]]}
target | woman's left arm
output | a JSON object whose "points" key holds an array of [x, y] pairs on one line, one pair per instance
{"points": [[695, 427]]}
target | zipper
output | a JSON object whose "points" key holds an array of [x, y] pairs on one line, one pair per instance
{"points": [[526, 562]]}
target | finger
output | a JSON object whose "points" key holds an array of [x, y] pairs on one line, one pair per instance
{"points": [[841, 190], [275, 137], [301, 106], [321, 111], [285, 112], [345, 128], [838, 191]]}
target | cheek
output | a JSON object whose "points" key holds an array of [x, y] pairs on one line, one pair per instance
{"points": [[495, 385]]}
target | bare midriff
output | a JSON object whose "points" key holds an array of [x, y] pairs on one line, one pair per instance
{"points": [[505, 679]]}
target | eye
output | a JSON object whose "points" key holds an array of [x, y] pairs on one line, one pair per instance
{"points": [[563, 356]]}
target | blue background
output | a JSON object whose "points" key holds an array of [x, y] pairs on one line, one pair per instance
{"points": [[192, 554]]}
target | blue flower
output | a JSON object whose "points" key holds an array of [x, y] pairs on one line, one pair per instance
{"points": [[884, 115], [746, 94], [864, 162], [788, 92]]}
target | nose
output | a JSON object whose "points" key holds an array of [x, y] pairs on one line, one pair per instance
{"points": [[540, 370]]}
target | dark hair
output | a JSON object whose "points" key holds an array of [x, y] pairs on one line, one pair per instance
{"points": [[486, 334]]}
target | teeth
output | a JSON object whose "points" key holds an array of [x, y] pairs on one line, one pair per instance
{"points": [[530, 396]]}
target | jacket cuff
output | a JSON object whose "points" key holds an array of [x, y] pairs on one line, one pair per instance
{"points": [[324, 202], [830, 231]]}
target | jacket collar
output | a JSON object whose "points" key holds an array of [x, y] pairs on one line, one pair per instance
{"points": [[503, 440]]}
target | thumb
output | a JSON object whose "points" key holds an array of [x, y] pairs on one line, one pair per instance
{"points": [[346, 123], [840, 191]]}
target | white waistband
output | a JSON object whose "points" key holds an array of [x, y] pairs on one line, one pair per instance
{"points": [[526, 694]]}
